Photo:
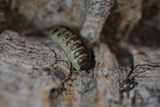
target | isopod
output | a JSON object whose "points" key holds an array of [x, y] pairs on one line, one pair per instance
{"points": [[73, 45]]}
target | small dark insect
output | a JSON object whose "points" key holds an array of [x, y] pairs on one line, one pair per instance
{"points": [[74, 46]]}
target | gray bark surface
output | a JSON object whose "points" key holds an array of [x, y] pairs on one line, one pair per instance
{"points": [[35, 71], [29, 71]]}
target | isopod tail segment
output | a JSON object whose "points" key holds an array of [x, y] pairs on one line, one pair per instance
{"points": [[74, 46]]}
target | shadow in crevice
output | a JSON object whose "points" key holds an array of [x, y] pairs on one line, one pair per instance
{"points": [[145, 35], [123, 56], [53, 95], [11, 20], [146, 32], [142, 35]]}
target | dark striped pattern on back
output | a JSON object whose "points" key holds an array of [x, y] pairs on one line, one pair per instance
{"points": [[74, 47]]}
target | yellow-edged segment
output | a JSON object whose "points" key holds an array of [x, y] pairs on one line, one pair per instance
{"points": [[66, 39], [62, 43], [75, 61], [77, 49]]}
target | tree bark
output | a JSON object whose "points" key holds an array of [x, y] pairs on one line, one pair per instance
{"points": [[35, 71]]}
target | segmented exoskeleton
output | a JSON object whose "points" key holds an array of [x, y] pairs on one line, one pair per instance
{"points": [[74, 46]]}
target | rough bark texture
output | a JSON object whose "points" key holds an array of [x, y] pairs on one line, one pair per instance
{"points": [[35, 71], [29, 70], [48, 13]]}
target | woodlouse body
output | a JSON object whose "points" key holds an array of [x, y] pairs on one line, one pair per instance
{"points": [[74, 47]]}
